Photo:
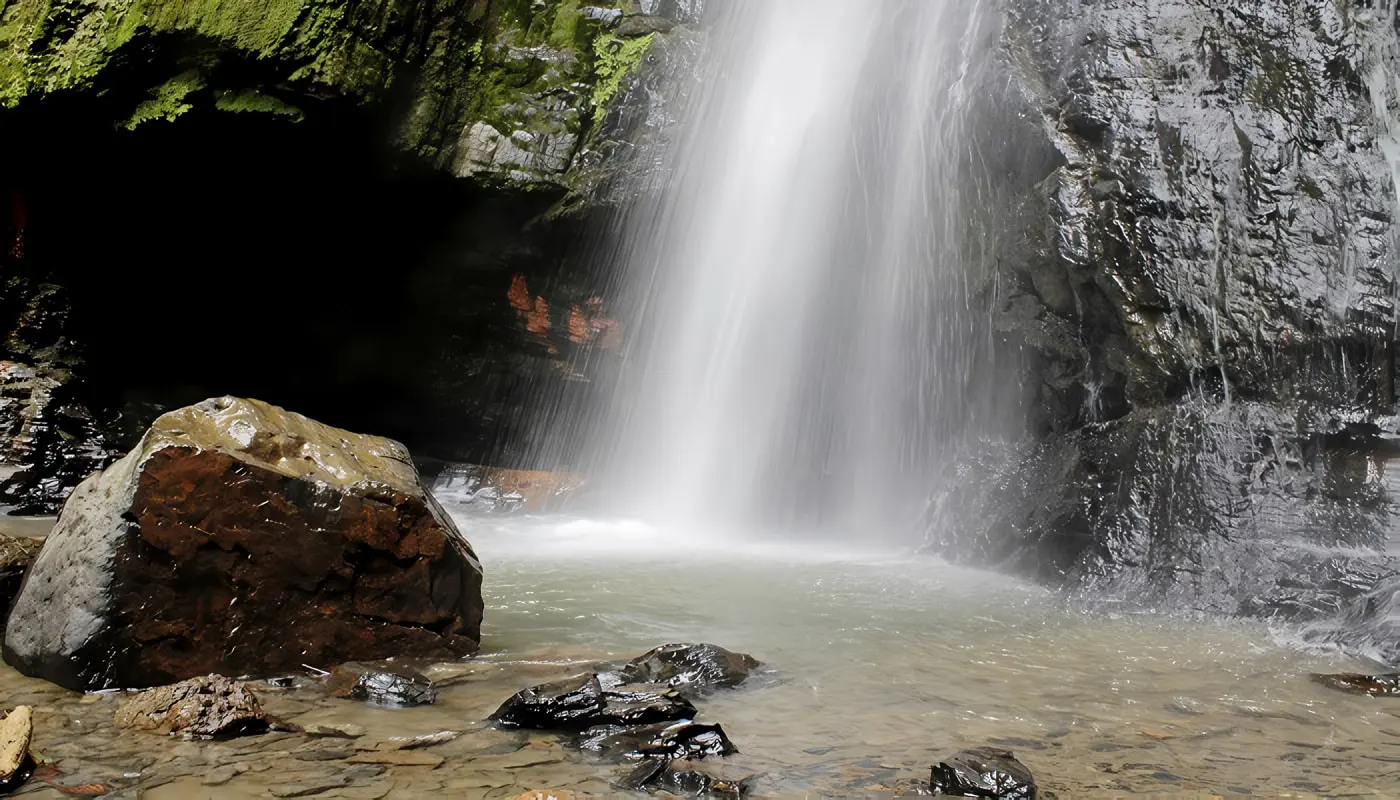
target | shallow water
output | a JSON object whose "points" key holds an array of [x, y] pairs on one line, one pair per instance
{"points": [[879, 664]]}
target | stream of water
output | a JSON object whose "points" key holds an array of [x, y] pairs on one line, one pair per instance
{"points": [[876, 666]]}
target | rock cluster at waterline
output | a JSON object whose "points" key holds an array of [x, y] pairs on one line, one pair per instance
{"points": [[244, 539]]}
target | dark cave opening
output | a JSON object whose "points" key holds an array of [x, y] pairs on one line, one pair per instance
{"points": [[304, 263]]}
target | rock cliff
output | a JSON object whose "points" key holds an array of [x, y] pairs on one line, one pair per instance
{"points": [[1208, 293]]}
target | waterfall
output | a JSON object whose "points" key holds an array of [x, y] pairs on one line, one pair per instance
{"points": [[808, 296]]}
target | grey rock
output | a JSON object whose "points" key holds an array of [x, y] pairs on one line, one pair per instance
{"points": [[644, 24], [1204, 276]]}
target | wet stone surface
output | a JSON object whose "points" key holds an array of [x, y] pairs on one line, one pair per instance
{"points": [[693, 668], [1373, 685], [984, 772], [382, 684]]}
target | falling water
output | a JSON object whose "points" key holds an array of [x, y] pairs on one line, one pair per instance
{"points": [[810, 292]]}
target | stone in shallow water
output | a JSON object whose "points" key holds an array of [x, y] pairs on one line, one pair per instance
{"points": [[984, 772], [584, 702], [666, 741], [16, 729], [691, 667], [245, 539], [206, 708], [571, 703], [689, 779], [381, 684], [323, 730], [1373, 685]]}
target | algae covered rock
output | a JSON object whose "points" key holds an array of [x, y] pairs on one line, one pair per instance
{"points": [[241, 538]]}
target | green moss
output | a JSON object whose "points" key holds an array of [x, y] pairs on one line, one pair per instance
{"points": [[168, 100], [253, 101], [564, 33], [58, 45], [613, 59]]}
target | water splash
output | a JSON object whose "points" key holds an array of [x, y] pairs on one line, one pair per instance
{"points": [[811, 292]]}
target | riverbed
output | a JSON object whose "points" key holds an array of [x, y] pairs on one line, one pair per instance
{"points": [[877, 663]]}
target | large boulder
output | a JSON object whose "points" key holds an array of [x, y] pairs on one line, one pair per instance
{"points": [[240, 538]]}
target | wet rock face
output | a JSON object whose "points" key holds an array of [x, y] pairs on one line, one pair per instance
{"points": [[984, 772], [204, 708], [1225, 206], [242, 538], [1187, 506], [1208, 298]]}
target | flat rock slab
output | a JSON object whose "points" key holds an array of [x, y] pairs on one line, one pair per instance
{"points": [[397, 758], [206, 708], [244, 539]]}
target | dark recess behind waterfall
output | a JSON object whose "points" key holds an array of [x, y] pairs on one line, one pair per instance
{"points": [[307, 264]]}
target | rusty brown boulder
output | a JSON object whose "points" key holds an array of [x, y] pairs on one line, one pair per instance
{"points": [[240, 538]]}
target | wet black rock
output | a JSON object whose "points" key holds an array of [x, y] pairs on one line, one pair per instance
{"points": [[1373, 685], [571, 703], [643, 704], [684, 740], [984, 772], [381, 684], [590, 700], [690, 779], [693, 668]]}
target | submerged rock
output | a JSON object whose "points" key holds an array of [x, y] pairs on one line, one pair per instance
{"points": [[1373, 685], [691, 667], [584, 702], [326, 731], [239, 537], [690, 779], [685, 740], [204, 708], [984, 772], [387, 685]]}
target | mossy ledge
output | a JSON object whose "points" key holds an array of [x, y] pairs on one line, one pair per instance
{"points": [[540, 74]]}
